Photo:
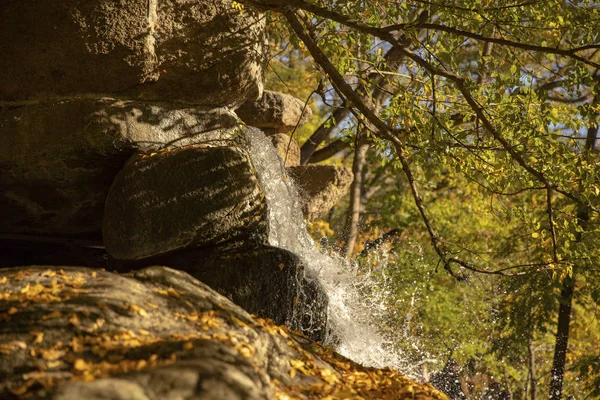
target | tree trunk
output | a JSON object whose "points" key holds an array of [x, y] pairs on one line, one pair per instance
{"points": [[562, 338], [566, 296], [353, 218], [532, 377]]}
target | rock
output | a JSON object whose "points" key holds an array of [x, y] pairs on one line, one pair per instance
{"points": [[277, 111], [266, 281], [200, 51], [160, 320], [195, 196], [28, 250], [75, 333], [320, 186], [287, 149], [58, 160]]}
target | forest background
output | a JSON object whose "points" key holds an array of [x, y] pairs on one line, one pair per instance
{"points": [[471, 127]]}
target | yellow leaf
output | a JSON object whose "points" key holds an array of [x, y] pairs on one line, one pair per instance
{"points": [[52, 354], [292, 373], [535, 235], [13, 310], [25, 289], [38, 336], [8, 348], [141, 364], [74, 319], [80, 365], [138, 310], [3, 280], [53, 315]]}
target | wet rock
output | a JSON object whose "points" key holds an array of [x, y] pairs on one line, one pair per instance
{"points": [[275, 112], [58, 160], [75, 333], [204, 52], [287, 149], [266, 281], [321, 187], [195, 196]]}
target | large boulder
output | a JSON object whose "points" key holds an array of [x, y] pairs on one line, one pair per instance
{"points": [[194, 196], [287, 149], [58, 160], [266, 281], [320, 187], [275, 112], [201, 51], [158, 334]]}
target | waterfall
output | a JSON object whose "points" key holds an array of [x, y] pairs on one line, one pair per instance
{"points": [[351, 317]]}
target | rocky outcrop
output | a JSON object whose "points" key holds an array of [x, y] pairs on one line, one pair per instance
{"points": [[200, 51], [275, 113], [321, 187], [266, 281], [195, 196], [160, 334], [287, 149], [59, 159]]}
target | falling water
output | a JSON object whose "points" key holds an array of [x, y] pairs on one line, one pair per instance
{"points": [[351, 319]]}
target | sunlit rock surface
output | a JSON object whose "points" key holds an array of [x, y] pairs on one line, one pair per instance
{"points": [[275, 112], [321, 187], [58, 160], [195, 196], [287, 149], [202, 51], [78, 333]]}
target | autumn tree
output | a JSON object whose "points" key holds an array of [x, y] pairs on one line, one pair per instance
{"points": [[486, 114]]}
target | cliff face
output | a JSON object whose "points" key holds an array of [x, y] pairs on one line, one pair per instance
{"points": [[122, 151]]}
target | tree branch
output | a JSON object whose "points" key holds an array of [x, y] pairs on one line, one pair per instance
{"points": [[381, 128], [500, 41]]}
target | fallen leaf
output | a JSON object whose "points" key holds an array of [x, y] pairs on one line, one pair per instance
{"points": [[52, 354], [74, 319], [53, 315], [10, 347], [80, 365], [138, 310], [38, 336]]}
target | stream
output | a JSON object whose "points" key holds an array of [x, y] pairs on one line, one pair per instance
{"points": [[352, 318]]}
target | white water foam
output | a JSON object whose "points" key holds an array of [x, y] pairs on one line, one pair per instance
{"points": [[352, 317]]}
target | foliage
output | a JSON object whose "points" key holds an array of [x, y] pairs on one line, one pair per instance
{"points": [[486, 147]]}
